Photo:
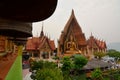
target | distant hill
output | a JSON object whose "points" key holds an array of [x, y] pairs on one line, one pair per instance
{"points": [[115, 46]]}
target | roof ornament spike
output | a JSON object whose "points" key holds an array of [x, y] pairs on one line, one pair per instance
{"points": [[49, 36], [42, 25], [42, 33], [91, 34], [73, 12], [37, 34]]}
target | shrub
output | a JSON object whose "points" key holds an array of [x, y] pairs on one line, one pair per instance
{"points": [[49, 74], [97, 74], [79, 61]]}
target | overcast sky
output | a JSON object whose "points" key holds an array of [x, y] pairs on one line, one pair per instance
{"points": [[101, 17]]}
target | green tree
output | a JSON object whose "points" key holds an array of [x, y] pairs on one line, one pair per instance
{"points": [[35, 65], [79, 61], [38, 67], [99, 55], [49, 74], [114, 53], [97, 74], [67, 64], [50, 65], [66, 67]]}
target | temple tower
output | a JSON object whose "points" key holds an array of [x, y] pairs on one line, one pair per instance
{"points": [[72, 40]]}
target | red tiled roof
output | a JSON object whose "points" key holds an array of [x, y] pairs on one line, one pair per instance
{"points": [[32, 43], [52, 44], [92, 42], [36, 43]]}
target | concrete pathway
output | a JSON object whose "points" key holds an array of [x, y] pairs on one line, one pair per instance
{"points": [[26, 74]]}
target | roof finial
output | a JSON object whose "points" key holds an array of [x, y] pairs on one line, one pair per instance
{"points": [[72, 11], [49, 36], [42, 33], [42, 25], [37, 34], [91, 34]]}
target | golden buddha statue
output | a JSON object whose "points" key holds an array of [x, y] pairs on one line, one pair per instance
{"points": [[71, 45]]}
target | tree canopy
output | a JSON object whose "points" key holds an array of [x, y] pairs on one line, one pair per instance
{"points": [[114, 53], [79, 61], [99, 55], [97, 74]]}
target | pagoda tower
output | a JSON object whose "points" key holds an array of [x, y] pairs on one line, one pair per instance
{"points": [[72, 40]]}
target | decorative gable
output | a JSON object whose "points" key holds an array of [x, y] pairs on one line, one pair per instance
{"points": [[73, 28]]}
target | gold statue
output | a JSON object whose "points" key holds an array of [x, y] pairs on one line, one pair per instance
{"points": [[71, 45]]}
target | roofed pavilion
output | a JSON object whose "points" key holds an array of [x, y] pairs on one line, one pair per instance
{"points": [[41, 46]]}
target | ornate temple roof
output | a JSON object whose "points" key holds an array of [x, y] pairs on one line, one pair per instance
{"points": [[73, 26], [93, 42], [36, 43]]}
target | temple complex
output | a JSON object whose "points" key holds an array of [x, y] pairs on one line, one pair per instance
{"points": [[73, 41], [40, 47]]}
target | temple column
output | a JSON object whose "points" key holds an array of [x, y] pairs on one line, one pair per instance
{"points": [[14, 50], [6, 44], [41, 52], [58, 50], [49, 54], [32, 54]]}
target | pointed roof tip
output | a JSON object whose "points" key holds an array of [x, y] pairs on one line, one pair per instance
{"points": [[91, 34], [42, 25], [42, 32], [72, 11]]}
